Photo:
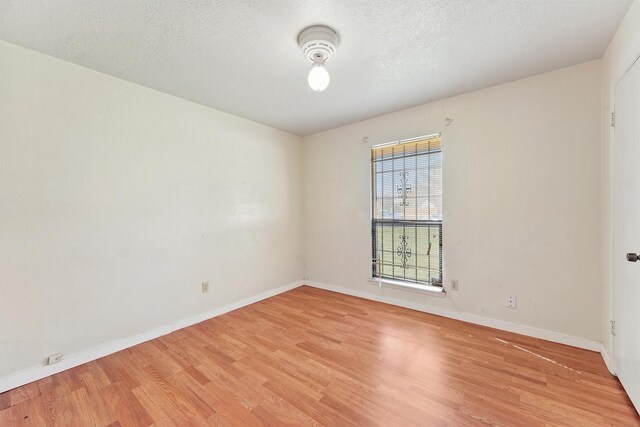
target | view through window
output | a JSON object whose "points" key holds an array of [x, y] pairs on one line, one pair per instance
{"points": [[406, 222]]}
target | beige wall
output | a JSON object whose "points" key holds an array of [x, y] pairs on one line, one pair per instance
{"points": [[623, 50], [117, 201], [521, 200]]}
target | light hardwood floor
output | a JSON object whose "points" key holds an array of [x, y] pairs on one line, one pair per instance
{"points": [[313, 357]]}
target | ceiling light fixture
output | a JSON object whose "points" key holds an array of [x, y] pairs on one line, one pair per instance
{"points": [[318, 44]]}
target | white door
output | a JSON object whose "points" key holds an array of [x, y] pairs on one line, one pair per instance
{"points": [[626, 232]]}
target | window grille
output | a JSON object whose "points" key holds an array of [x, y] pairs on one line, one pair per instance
{"points": [[406, 226]]}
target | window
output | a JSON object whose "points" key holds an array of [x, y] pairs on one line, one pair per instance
{"points": [[406, 225]]}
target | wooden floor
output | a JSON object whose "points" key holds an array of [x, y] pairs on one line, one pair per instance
{"points": [[312, 357]]}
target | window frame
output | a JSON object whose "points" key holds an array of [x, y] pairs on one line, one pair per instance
{"points": [[405, 284]]}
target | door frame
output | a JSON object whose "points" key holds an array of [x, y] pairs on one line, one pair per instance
{"points": [[611, 362]]}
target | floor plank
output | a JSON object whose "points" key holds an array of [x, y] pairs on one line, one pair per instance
{"points": [[311, 357]]}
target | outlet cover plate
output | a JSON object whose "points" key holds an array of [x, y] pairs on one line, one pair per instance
{"points": [[54, 358]]}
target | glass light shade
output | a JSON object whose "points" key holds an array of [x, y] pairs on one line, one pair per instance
{"points": [[318, 78]]}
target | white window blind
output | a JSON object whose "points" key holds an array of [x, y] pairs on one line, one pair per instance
{"points": [[406, 222]]}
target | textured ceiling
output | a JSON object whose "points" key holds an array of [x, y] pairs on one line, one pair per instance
{"points": [[242, 56]]}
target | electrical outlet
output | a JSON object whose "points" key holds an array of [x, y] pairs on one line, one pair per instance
{"points": [[54, 358], [454, 285], [511, 301], [205, 287]]}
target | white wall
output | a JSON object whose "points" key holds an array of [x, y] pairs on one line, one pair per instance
{"points": [[623, 50], [522, 196], [117, 201]]}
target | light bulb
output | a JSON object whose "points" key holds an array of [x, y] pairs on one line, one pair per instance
{"points": [[318, 77]]}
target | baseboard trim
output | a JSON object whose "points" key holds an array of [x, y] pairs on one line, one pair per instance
{"points": [[607, 359], [33, 374], [471, 318], [36, 373]]}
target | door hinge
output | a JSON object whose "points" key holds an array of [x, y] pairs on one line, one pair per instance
{"points": [[613, 327], [613, 119]]}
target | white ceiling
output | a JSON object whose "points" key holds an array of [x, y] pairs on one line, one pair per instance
{"points": [[242, 56]]}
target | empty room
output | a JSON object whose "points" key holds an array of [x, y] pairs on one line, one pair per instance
{"points": [[319, 213]]}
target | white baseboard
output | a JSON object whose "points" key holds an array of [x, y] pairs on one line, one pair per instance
{"points": [[33, 374], [607, 359], [471, 318]]}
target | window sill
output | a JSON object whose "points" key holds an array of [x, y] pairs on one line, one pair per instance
{"points": [[436, 291]]}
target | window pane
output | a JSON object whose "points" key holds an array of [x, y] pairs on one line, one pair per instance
{"points": [[407, 211], [406, 251]]}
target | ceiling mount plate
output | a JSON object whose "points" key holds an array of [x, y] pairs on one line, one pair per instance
{"points": [[318, 41]]}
